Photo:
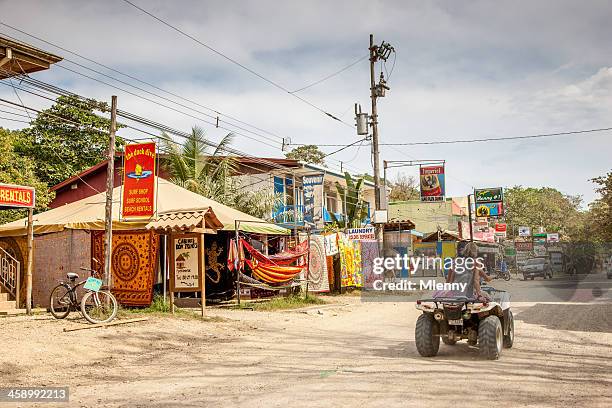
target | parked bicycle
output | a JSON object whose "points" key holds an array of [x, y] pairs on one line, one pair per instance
{"points": [[97, 305]]}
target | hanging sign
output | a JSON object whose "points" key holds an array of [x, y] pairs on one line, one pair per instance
{"points": [[524, 231], [17, 196], [186, 265], [138, 193], [500, 227], [361, 234], [432, 183]]}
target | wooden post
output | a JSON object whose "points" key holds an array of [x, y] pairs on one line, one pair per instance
{"points": [[203, 277], [236, 226], [30, 262], [170, 241], [307, 263], [110, 175]]}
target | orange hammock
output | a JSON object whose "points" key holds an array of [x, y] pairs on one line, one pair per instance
{"points": [[266, 269]]}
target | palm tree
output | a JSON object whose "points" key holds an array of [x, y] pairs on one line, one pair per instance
{"points": [[355, 208], [195, 167]]}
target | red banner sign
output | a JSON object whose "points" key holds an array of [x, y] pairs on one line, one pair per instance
{"points": [[523, 246], [138, 199], [500, 227], [17, 196]]}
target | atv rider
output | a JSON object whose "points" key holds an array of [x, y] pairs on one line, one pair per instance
{"points": [[471, 276]]}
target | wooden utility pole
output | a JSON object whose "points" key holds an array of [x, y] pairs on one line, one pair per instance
{"points": [[469, 197], [30, 262], [110, 176]]}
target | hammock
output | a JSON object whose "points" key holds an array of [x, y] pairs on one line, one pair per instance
{"points": [[262, 267], [248, 281], [290, 255]]}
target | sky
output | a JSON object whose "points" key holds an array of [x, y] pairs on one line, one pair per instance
{"points": [[462, 70]]}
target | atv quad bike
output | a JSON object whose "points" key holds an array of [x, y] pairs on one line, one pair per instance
{"points": [[453, 316]]}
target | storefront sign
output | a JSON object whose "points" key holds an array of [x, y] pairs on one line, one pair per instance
{"points": [[361, 234], [490, 210], [523, 246], [552, 237], [17, 196], [432, 183], [186, 255], [312, 184], [488, 195], [500, 227], [138, 194], [481, 226], [524, 231]]}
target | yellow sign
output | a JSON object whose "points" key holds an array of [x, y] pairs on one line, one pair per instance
{"points": [[482, 211]]}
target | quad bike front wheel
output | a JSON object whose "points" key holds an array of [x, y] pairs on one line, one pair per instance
{"points": [[490, 337], [509, 338], [427, 335]]}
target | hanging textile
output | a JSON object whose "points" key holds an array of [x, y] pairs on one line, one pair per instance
{"points": [[290, 255], [357, 267], [318, 280], [133, 264], [272, 273], [369, 251], [347, 264], [220, 280]]}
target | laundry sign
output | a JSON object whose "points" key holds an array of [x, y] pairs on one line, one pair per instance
{"points": [[186, 254], [361, 234]]}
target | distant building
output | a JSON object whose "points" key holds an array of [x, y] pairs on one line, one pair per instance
{"points": [[429, 217]]}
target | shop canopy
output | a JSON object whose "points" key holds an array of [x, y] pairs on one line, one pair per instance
{"points": [[88, 214]]}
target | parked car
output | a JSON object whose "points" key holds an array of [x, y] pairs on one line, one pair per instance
{"points": [[536, 267]]}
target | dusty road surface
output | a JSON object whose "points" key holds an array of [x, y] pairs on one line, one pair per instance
{"points": [[352, 354]]}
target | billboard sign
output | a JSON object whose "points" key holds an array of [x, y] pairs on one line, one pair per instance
{"points": [[312, 184], [489, 195], [489, 210], [552, 237], [14, 196], [524, 231], [432, 183], [138, 194]]}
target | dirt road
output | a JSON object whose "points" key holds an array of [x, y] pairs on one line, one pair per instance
{"points": [[358, 355]]}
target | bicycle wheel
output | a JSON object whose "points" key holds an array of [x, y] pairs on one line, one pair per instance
{"points": [[60, 302], [99, 307]]}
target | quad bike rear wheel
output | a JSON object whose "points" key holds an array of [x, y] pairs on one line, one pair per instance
{"points": [[427, 335], [509, 338], [448, 342], [490, 337]]}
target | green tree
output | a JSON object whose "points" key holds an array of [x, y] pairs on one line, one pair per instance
{"points": [[308, 154], [356, 209], [212, 174], [67, 138], [22, 170], [600, 211], [544, 207]]}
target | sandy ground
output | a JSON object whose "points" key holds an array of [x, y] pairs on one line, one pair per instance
{"points": [[351, 354]]}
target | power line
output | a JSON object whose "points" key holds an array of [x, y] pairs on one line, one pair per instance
{"points": [[13, 120], [55, 90], [495, 139], [331, 75], [233, 61]]}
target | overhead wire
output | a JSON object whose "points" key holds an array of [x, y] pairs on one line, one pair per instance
{"points": [[331, 75], [235, 62]]}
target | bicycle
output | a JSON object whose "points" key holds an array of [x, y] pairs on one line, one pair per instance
{"points": [[97, 306]]}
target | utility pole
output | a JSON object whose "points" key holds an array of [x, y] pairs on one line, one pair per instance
{"points": [[110, 176], [374, 122], [469, 197]]}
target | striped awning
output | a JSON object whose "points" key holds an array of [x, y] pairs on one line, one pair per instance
{"points": [[186, 221]]}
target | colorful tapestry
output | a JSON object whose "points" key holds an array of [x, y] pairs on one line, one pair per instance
{"points": [[369, 251], [318, 280], [331, 273], [350, 262], [133, 264]]}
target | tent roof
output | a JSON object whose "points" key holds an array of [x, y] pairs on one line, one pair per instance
{"points": [[88, 213]]}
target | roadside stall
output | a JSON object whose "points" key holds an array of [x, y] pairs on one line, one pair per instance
{"points": [[66, 238]]}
